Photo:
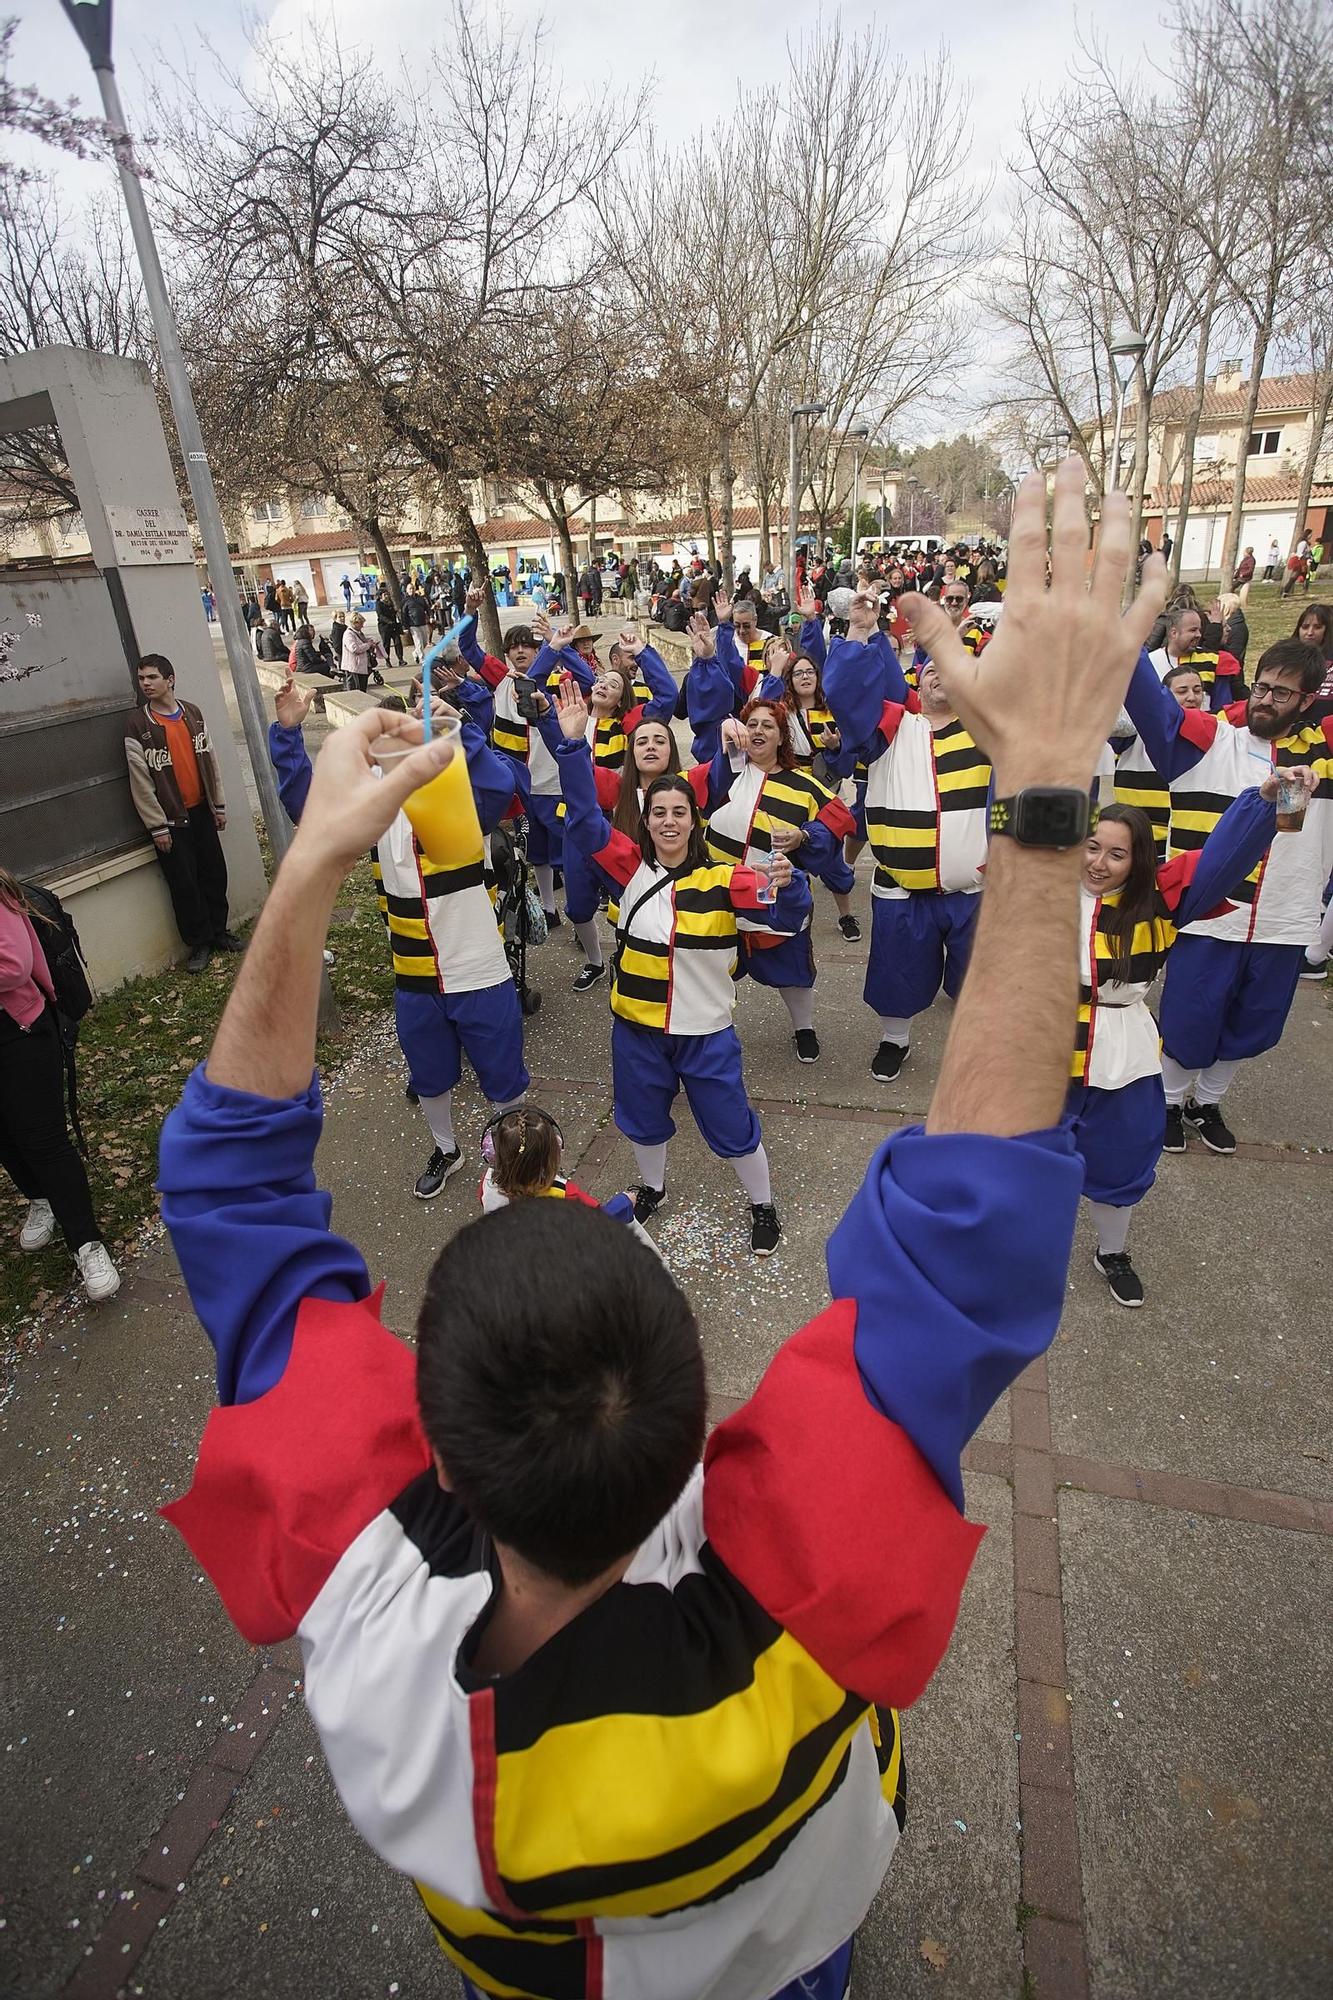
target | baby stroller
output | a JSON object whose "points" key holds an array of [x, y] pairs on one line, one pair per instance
{"points": [[518, 907]]}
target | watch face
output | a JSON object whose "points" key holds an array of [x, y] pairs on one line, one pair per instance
{"points": [[1051, 816]]}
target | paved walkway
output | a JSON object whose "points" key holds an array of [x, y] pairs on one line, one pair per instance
{"points": [[1119, 1777]]}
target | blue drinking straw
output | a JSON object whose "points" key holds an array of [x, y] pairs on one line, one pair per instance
{"points": [[450, 638]]}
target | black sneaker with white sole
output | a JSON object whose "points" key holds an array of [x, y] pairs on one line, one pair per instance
{"points": [[1174, 1141], [807, 1045], [1317, 972], [588, 976], [888, 1060], [1208, 1122], [765, 1229], [437, 1171], [647, 1201], [1125, 1282], [850, 929]]}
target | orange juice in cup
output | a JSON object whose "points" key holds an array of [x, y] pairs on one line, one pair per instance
{"points": [[443, 813]]}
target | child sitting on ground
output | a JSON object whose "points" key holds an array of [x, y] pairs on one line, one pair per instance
{"points": [[522, 1149]]}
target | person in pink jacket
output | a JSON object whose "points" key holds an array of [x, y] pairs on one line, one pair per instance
{"points": [[36, 1150]]}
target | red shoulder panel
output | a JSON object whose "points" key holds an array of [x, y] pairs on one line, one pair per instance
{"points": [[607, 783], [891, 716], [697, 780], [1198, 727], [285, 1484], [827, 1513]]}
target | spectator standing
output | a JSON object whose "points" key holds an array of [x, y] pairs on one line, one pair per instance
{"points": [[210, 612], [300, 604], [36, 1150], [337, 634], [346, 588], [359, 655], [416, 618], [177, 793], [386, 617], [1272, 559], [271, 598], [286, 614], [1244, 576]]}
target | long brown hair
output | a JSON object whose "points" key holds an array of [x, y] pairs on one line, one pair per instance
{"points": [[800, 658], [526, 1152], [11, 894], [696, 854], [1138, 895], [625, 818]]}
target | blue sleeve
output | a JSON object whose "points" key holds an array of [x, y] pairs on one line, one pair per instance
{"points": [[770, 688], [730, 661], [956, 1250], [656, 675], [854, 689], [710, 697], [586, 825], [813, 641], [894, 681], [250, 1226], [1159, 718], [818, 844], [491, 776], [291, 762], [721, 777], [620, 1208], [791, 907], [476, 703], [468, 648], [1234, 848]]}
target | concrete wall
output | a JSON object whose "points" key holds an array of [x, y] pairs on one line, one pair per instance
{"points": [[117, 454]]}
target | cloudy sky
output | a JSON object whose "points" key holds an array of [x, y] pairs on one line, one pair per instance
{"points": [[697, 50]]}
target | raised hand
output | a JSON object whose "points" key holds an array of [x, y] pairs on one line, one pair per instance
{"points": [[472, 599], [863, 615], [807, 604], [291, 704], [352, 799], [702, 643], [731, 733], [561, 636], [1042, 696], [632, 639], [722, 606], [571, 711], [541, 627]]}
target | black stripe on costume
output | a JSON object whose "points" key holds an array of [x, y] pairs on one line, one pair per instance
{"points": [[725, 844], [701, 902], [584, 1886], [902, 816], [635, 986], [557, 1969], [415, 982], [968, 798], [888, 1740], [633, 1652], [650, 947], [440, 1528], [411, 947], [965, 757], [471, 876]]}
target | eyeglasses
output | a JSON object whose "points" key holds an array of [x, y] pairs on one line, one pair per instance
{"points": [[954, 600], [1280, 697]]}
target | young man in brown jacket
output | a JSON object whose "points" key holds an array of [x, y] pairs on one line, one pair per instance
{"points": [[177, 794]]}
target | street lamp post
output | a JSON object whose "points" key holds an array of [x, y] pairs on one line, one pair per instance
{"points": [[912, 483], [1129, 347], [860, 434], [793, 499], [92, 23]]}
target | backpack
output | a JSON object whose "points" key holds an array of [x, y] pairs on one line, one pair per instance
{"points": [[69, 975]]}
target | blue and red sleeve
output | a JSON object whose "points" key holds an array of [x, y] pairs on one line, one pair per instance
{"points": [[854, 687], [612, 854], [835, 1494], [894, 682], [711, 695], [1174, 738], [657, 676], [250, 1224], [1196, 884], [788, 911], [490, 670]]}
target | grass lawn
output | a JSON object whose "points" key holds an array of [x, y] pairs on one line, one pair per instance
{"points": [[135, 1049], [1269, 615]]}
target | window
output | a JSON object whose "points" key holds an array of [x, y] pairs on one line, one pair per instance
{"points": [[1205, 447], [313, 507], [1264, 444], [266, 510]]}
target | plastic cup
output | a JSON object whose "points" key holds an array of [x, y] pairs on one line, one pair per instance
{"points": [[1292, 800], [442, 813]]}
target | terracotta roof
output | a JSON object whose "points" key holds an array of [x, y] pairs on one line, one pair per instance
{"points": [[1276, 392], [1270, 490]]}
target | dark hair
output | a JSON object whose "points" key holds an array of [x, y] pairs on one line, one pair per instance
{"points": [[1138, 896], [1324, 612], [560, 1379], [526, 1149], [161, 662], [696, 854], [1293, 656], [800, 658], [628, 698], [1178, 613], [778, 710], [519, 635], [628, 812], [1181, 667]]}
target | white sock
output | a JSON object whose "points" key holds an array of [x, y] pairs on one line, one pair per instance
{"points": [[1322, 948], [800, 1004], [1212, 1085], [545, 885], [752, 1173], [1112, 1227], [439, 1115], [651, 1162], [1177, 1082], [511, 1104], [590, 938], [894, 1028]]}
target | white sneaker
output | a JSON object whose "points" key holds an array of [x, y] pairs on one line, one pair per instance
{"points": [[39, 1228], [101, 1279]]}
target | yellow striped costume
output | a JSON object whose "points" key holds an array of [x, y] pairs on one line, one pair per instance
{"points": [[674, 972], [441, 921], [926, 802], [1116, 1039]]}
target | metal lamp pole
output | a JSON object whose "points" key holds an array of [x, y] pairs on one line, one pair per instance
{"points": [[861, 433], [1129, 347], [92, 22], [793, 507], [912, 483]]}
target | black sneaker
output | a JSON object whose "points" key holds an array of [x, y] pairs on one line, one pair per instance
{"points": [[765, 1229], [889, 1059], [647, 1201], [850, 929], [228, 941], [589, 976], [552, 919], [1317, 972], [1208, 1123], [411, 1095], [199, 959], [438, 1169], [807, 1045], [1174, 1142], [1125, 1282]]}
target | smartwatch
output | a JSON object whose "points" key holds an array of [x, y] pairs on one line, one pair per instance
{"points": [[1056, 816]]}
